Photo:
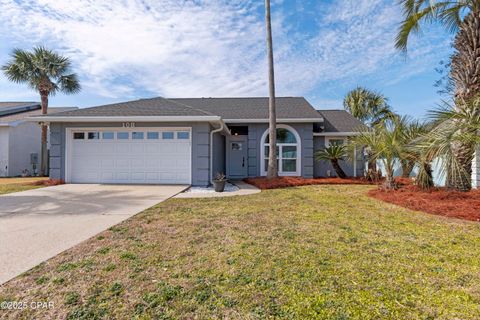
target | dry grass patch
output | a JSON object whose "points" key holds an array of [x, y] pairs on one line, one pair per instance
{"points": [[327, 252], [10, 185]]}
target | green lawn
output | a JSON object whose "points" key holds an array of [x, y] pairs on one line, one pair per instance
{"points": [[9, 185], [316, 252]]}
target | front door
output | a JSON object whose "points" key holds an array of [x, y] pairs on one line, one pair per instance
{"points": [[237, 158]]}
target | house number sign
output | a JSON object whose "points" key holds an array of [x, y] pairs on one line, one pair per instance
{"points": [[128, 124]]}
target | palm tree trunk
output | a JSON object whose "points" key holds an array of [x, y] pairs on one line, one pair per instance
{"points": [[465, 73], [407, 168], [340, 173], [425, 176], [44, 150], [459, 178], [272, 171]]}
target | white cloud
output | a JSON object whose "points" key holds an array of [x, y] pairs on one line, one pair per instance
{"points": [[211, 48]]}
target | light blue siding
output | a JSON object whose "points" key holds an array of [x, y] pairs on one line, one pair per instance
{"points": [[255, 132], [322, 167]]}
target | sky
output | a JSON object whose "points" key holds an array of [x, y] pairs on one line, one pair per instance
{"points": [[130, 49]]}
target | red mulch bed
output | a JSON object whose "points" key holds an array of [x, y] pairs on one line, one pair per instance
{"points": [[284, 182], [462, 205], [438, 201], [48, 182]]}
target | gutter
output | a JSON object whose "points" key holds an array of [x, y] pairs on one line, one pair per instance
{"points": [[279, 120], [122, 118], [335, 134]]}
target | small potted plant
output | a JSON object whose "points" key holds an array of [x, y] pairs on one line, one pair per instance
{"points": [[219, 182]]}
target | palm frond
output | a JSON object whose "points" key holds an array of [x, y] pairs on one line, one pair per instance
{"points": [[43, 70], [417, 12]]}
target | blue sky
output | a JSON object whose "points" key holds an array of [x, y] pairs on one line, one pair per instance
{"points": [[131, 49]]}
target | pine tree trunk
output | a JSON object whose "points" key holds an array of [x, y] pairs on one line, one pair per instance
{"points": [[44, 149], [340, 173], [272, 171], [465, 73]]}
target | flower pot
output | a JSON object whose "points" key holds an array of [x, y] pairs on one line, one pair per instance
{"points": [[219, 185]]}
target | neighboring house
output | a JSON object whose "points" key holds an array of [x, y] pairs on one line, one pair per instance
{"points": [[20, 138], [187, 141], [476, 169]]}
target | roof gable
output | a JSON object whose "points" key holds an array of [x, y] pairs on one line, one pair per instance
{"points": [[340, 121]]}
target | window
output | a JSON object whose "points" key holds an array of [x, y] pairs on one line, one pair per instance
{"points": [[93, 135], [137, 135], [236, 146], [122, 135], [284, 136], [107, 135], [183, 135], [79, 135], [336, 142], [152, 135], [288, 149], [167, 135]]}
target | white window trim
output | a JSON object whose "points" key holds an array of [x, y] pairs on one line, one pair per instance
{"points": [[327, 140], [263, 170]]}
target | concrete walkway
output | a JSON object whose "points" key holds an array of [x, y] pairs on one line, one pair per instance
{"points": [[38, 224], [245, 189]]}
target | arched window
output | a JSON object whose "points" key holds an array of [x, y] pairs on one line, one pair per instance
{"points": [[288, 151]]}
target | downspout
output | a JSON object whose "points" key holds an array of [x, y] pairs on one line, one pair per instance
{"points": [[222, 126]]}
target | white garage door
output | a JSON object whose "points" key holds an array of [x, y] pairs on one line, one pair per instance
{"points": [[143, 156]]}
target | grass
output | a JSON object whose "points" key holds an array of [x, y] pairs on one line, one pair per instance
{"points": [[315, 252], [10, 185]]}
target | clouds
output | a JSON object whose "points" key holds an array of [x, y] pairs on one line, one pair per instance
{"points": [[129, 48]]}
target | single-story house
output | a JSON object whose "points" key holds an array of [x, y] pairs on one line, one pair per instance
{"points": [[187, 141], [20, 140]]}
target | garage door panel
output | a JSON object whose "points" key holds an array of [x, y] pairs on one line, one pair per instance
{"points": [[136, 163], [122, 163], [107, 148], [107, 164], [122, 148], [151, 163], [151, 148], [130, 160], [137, 148]]}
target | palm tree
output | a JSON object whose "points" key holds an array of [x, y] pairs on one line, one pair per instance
{"points": [[453, 126], [412, 131], [334, 154], [386, 144], [47, 73], [463, 18], [272, 171], [368, 106], [372, 109]]}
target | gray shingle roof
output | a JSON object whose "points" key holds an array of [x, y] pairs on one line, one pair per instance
{"points": [[340, 121], [10, 104], [144, 107], [22, 115], [226, 108], [253, 108], [7, 108]]}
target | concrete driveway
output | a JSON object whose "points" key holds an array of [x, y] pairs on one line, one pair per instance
{"points": [[38, 224]]}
